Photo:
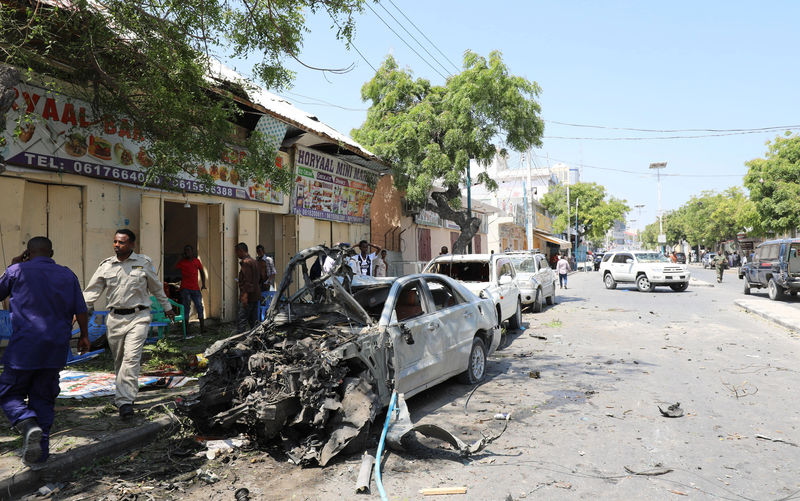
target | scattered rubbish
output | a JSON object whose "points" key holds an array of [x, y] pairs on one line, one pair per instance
{"points": [[543, 338], [400, 427], [207, 476], [501, 416], [653, 472], [673, 411], [563, 485], [49, 489], [217, 448], [364, 474], [534, 374], [744, 390], [764, 437], [440, 491], [678, 492], [470, 395], [242, 494]]}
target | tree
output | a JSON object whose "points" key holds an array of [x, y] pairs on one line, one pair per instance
{"points": [[774, 184], [429, 133], [148, 61], [596, 210]]}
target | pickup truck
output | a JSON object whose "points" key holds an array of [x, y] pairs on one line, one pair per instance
{"points": [[775, 266]]}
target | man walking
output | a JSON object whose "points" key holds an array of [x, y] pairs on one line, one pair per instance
{"points": [[562, 267], [128, 280], [719, 263], [190, 267], [249, 289], [266, 268], [44, 299]]}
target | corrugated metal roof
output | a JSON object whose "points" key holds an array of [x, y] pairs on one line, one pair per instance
{"points": [[280, 108]]}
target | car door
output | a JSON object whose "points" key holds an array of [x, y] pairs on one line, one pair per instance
{"points": [[544, 275], [752, 272], [459, 322], [508, 291], [414, 328], [621, 268]]}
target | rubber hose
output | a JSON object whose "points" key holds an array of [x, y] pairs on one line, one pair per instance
{"points": [[379, 453]]}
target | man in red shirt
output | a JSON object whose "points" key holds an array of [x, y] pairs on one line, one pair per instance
{"points": [[190, 267]]}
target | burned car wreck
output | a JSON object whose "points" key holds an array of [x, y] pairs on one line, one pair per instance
{"points": [[331, 351]]}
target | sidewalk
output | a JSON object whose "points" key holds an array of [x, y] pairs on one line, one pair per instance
{"points": [[775, 311]]}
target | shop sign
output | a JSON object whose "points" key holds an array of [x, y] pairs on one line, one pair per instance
{"points": [[428, 218], [60, 137], [332, 189]]}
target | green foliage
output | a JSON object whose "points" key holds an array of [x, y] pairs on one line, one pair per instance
{"points": [[429, 133], [774, 184], [596, 210], [148, 61]]}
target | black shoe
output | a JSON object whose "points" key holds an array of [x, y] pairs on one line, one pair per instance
{"points": [[31, 443], [126, 411]]}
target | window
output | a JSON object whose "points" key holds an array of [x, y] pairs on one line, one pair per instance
{"points": [[652, 257], [463, 271], [771, 251], [607, 257], [524, 264], [443, 295], [621, 258], [409, 303], [505, 269]]}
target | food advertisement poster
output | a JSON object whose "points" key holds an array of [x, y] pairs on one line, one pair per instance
{"points": [[329, 188], [61, 137]]}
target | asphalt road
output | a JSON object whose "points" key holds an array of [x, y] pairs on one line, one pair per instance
{"points": [[610, 358]]}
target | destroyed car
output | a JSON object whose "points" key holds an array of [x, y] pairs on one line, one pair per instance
{"points": [[330, 353]]}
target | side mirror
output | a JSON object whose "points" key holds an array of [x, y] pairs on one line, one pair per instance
{"points": [[629, 261], [505, 280]]}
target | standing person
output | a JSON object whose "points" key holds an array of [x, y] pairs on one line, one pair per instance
{"points": [[44, 299], [444, 250], [719, 262], [190, 267], [673, 257], [380, 265], [562, 267], [129, 280], [266, 268], [249, 289], [364, 258]]}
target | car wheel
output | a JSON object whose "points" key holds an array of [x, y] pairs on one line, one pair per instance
{"points": [[515, 322], [476, 365], [551, 299], [746, 287], [537, 303], [793, 293], [775, 290], [643, 284], [679, 287], [609, 281]]}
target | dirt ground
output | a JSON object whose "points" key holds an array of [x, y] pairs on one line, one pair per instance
{"points": [[585, 421]]}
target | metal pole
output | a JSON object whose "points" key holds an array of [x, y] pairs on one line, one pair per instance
{"points": [[469, 206], [658, 166], [576, 232], [529, 204], [568, 231]]}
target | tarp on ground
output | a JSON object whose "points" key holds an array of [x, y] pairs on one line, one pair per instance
{"points": [[76, 384]]}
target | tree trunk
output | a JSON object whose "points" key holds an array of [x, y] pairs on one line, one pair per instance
{"points": [[469, 225], [9, 77]]}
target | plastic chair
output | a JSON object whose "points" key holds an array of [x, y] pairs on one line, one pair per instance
{"points": [[263, 306], [160, 320]]}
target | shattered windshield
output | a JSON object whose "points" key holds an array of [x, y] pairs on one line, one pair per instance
{"points": [[464, 271], [652, 257], [524, 264]]}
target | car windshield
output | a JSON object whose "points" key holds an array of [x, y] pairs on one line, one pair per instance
{"points": [[652, 257], [524, 264], [464, 271]]}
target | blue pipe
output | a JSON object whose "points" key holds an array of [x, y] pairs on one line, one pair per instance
{"points": [[379, 453]]}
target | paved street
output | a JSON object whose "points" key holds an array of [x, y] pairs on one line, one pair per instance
{"points": [[608, 360]]}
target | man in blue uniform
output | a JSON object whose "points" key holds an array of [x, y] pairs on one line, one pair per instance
{"points": [[45, 297]]}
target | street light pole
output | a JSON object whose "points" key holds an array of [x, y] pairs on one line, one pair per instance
{"points": [[658, 166], [639, 208], [576, 231]]}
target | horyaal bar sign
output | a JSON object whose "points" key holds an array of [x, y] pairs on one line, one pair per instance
{"points": [[60, 137]]}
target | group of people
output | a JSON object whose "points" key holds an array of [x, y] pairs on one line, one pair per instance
{"points": [[45, 301]]}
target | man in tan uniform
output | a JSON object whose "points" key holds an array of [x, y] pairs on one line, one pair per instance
{"points": [[129, 280]]}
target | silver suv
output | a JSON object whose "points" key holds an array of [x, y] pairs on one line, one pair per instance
{"points": [[646, 269], [535, 278]]}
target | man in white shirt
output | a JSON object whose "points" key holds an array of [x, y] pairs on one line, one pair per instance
{"points": [[562, 267], [365, 259]]}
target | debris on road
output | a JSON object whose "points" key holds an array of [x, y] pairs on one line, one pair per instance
{"points": [[764, 437], [217, 448], [673, 411], [440, 491], [653, 472], [534, 374], [365, 474]]}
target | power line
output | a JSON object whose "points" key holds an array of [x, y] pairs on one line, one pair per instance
{"points": [[755, 129], [658, 138], [404, 41], [639, 173], [350, 42], [415, 39], [423, 34]]}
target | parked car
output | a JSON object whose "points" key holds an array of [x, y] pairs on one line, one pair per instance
{"points": [[647, 269], [681, 257], [535, 279], [776, 266], [329, 355], [598, 258], [487, 275], [708, 259]]}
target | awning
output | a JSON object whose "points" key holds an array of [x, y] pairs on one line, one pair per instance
{"points": [[555, 240]]}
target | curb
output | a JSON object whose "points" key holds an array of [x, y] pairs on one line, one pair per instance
{"points": [[700, 283], [794, 326], [29, 480]]}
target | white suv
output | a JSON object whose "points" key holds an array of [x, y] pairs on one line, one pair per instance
{"points": [[487, 275], [646, 269]]}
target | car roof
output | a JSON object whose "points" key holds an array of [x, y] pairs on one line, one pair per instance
{"points": [[466, 257], [780, 241]]}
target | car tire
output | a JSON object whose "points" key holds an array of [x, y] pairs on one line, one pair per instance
{"points": [[644, 284], [552, 298], [476, 365], [515, 322], [538, 302], [609, 281], [793, 293], [775, 290], [679, 287], [746, 287]]}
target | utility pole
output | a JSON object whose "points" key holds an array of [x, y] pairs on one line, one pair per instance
{"points": [[529, 204], [576, 232], [469, 206], [568, 230], [658, 166], [639, 208]]}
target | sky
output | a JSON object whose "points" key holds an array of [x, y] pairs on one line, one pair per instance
{"points": [[646, 65]]}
